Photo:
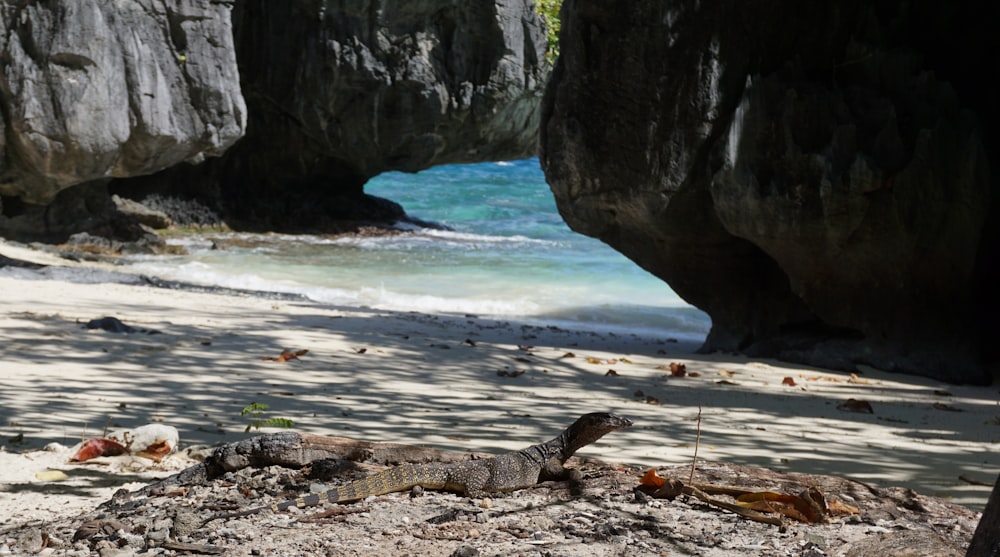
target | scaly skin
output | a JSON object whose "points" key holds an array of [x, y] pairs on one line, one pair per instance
{"points": [[475, 478]]}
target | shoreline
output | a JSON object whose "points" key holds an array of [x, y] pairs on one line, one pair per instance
{"points": [[454, 382]]}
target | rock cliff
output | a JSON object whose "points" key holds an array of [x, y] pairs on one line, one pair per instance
{"points": [[91, 90], [820, 180], [340, 92], [133, 96]]}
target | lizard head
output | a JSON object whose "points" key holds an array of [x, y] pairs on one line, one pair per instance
{"points": [[591, 427]]}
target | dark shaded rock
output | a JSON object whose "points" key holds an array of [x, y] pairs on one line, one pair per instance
{"points": [[115, 325], [820, 181], [91, 90], [83, 216], [339, 94], [986, 541], [184, 212]]}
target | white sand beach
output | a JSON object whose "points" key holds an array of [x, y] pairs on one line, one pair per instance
{"points": [[448, 381]]}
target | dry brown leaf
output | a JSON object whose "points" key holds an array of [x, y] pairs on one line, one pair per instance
{"points": [[652, 400], [726, 382], [857, 380], [678, 369], [625, 360], [286, 355], [360, 350], [835, 507], [568, 355], [808, 506], [652, 479], [825, 378], [726, 373], [94, 448], [470, 342], [611, 373], [694, 374], [156, 450], [789, 381], [593, 361]]}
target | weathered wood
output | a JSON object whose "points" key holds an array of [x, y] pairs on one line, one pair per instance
{"points": [[986, 540]]}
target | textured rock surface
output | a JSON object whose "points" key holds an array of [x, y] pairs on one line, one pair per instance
{"points": [[340, 92], [91, 89], [821, 181]]}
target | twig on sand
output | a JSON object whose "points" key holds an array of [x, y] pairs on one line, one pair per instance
{"points": [[697, 441]]}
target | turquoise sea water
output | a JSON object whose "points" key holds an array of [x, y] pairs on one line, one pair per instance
{"points": [[508, 254]]}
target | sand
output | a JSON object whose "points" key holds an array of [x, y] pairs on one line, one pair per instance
{"points": [[448, 381]]}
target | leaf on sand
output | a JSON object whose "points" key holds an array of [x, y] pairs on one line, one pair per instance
{"points": [[94, 448], [726, 373], [809, 506], [593, 361], [726, 382], [857, 380], [789, 381], [611, 373], [568, 355], [511, 373], [841, 509], [855, 405], [470, 342], [662, 488], [51, 476], [652, 479], [678, 369], [288, 355], [156, 450]]}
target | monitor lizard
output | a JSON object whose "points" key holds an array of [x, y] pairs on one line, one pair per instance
{"points": [[475, 478]]}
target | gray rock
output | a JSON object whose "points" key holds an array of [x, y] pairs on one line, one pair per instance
{"points": [[95, 89], [339, 93], [91, 90], [821, 182], [141, 213]]}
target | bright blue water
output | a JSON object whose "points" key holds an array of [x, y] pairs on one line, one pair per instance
{"points": [[509, 254]]}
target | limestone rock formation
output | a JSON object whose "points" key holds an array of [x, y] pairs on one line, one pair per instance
{"points": [[820, 180], [339, 93], [91, 90]]}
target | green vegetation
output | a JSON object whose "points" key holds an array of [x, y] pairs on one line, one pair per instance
{"points": [[256, 411], [549, 10]]}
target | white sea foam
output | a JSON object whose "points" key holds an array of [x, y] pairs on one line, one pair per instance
{"points": [[509, 256]]}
